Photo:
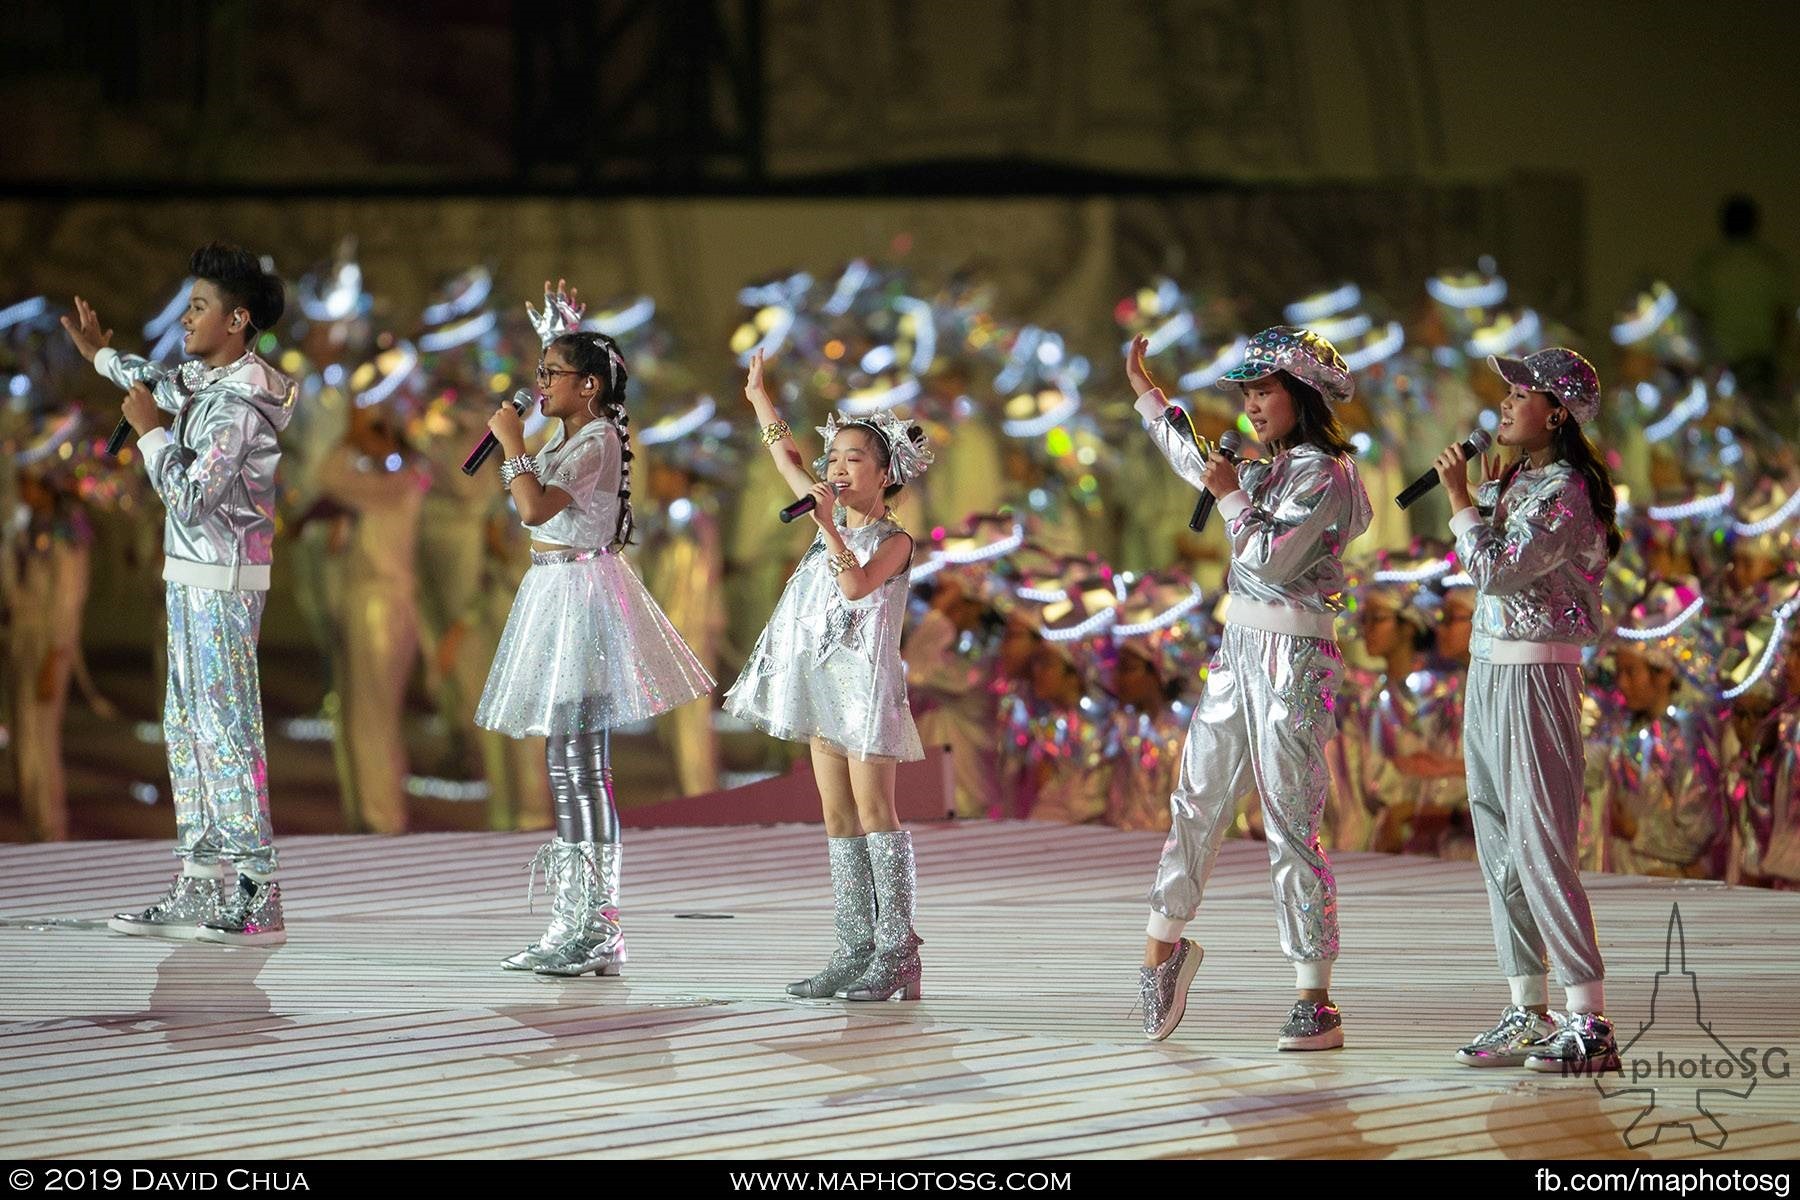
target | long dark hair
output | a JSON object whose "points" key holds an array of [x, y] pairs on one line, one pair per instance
{"points": [[1573, 447], [598, 355], [1314, 422]]}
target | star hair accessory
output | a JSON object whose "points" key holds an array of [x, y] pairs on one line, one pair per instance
{"points": [[906, 460]]}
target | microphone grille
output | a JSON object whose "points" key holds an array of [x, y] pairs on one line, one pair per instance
{"points": [[521, 400], [1481, 439], [1231, 441]]}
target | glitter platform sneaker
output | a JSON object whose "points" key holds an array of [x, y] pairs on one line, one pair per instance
{"points": [[1162, 990], [1312, 1026]]}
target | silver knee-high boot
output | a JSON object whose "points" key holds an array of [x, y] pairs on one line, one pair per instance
{"points": [[852, 917], [560, 862], [581, 784], [895, 969]]}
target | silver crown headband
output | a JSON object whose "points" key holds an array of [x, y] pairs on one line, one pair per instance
{"points": [[906, 460]]}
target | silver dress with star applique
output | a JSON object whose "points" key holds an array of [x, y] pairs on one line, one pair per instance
{"points": [[828, 667]]}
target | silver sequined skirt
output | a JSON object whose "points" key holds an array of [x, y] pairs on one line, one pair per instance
{"points": [[585, 648]]}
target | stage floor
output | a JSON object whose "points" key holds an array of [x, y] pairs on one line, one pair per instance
{"points": [[384, 1029]]}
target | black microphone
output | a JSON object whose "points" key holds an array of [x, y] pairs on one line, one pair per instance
{"points": [[1472, 448], [521, 400], [1229, 441], [120, 432], [804, 505]]}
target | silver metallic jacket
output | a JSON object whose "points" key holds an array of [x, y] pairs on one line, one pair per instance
{"points": [[1539, 560], [215, 469], [1287, 544]]}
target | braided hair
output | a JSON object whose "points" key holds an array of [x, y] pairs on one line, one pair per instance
{"points": [[598, 355]]}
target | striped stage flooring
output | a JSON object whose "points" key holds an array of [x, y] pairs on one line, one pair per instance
{"points": [[383, 1028]]}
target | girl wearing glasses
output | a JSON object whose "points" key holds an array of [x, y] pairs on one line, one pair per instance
{"points": [[585, 648]]}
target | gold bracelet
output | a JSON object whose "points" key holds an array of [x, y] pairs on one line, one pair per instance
{"points": [[842, 562], [774, 432]]}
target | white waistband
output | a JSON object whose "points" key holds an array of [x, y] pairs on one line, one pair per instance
{"points": [[218, 577], [1275, 618], [1505, 653]]}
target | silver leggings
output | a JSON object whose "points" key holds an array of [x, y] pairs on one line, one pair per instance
{"points": [[580, 766]]}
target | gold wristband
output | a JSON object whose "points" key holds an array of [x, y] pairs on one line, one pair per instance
{"points": [[774, 432], [842, 562]]}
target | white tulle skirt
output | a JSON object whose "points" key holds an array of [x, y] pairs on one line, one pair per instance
{"points": [[585, 648]]}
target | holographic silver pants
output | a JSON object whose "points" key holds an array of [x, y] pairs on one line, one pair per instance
{"points": [[1523, 749], [213, 728], [1263, 721]]}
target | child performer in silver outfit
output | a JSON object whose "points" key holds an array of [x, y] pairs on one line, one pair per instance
{"points": [[214, 470], [1268, 710], [585, 648], [1538, 562], [827, 671]]}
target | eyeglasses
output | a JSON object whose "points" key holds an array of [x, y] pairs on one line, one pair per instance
{"points": [[546, 374]]}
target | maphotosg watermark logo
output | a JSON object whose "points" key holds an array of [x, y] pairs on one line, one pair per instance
{"points": [[1677, 1066]]}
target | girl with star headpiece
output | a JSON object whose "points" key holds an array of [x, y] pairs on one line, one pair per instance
{"points": [[827, 671]]}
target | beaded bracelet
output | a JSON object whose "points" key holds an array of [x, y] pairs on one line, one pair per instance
{"points": [[512, 468], [842, 562], [774, 432]]}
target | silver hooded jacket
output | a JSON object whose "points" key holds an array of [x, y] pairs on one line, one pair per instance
{"points": [[1289, 526], [215, 468], [1538, 561]]}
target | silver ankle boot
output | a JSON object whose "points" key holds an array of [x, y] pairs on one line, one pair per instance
{"points": [[561, 864], [252, 917], [895, 968], [598, 943], [852, 918]]}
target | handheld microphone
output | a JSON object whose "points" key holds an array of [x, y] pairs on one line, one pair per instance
{"points": [[1229, 442], [116, 442], [521, 400], [1473, 447], [804, 505]]}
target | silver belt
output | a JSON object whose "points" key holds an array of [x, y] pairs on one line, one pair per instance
{"points": [[547, 558]]}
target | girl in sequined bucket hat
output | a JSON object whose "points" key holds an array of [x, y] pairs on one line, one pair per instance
{"points": [[1537, 548], [1268, 711]]}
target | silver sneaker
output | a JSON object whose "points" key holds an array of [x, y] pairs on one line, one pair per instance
{"points": [[1312, 1026], [1583, 1044], [191, 899], [1509, 1043], [252, 917], [562, 865], [1162, 990]]}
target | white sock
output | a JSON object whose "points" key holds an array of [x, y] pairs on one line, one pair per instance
{"points": [[1313, 974], [1586, 997], [200, 870], [1530, 991]]}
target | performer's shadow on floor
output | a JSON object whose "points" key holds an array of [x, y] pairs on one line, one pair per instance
{"points": [[203, 994]]}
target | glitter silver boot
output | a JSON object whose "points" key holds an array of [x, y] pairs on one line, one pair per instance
{"points": [[895, 969], [852, 918], [252, 917], [561, 863], [598, 944], [190, 900]]}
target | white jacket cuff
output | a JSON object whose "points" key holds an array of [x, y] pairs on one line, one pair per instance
{"points": [[1234, 503], [1465, 520], [1150, 405]]}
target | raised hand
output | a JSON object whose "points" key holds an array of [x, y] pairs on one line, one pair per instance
{"points": [[754, 390], [85, 330], [1453, 470], [1135, 370]]}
